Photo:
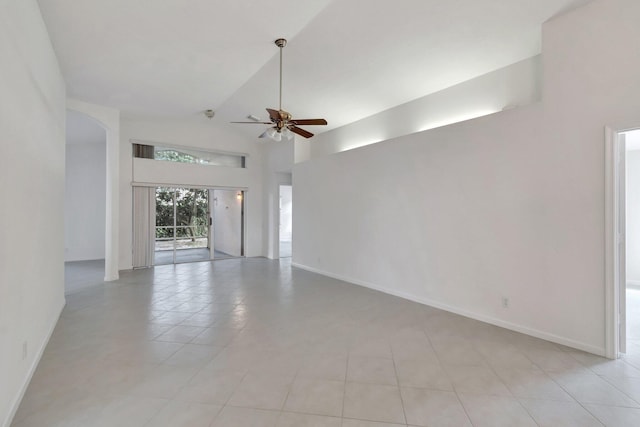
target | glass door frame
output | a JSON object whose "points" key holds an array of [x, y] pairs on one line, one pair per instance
{"points": [[210, 224]]}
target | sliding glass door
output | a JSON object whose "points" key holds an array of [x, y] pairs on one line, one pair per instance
{"points": [[182, 225]]}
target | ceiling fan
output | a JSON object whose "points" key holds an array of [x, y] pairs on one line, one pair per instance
{"points": [[285, 124]]}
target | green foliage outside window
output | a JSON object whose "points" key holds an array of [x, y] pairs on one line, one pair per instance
{"points": [[177, 156], [191, 212]]}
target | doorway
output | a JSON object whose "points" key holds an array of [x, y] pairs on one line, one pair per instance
{"points": [[285, 221], [227, 231], [632, 241], [623, 243], [85, 202]]}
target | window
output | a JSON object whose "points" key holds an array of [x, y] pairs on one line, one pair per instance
{"points": [[188, 155]]}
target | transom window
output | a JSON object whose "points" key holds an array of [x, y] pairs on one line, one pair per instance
{"points": [[188, 155]]}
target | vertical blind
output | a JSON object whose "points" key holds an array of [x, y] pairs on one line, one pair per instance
{"points": [[144, 221]]}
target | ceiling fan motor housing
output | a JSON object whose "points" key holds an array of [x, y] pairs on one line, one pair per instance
{"points": [[285, 115]]}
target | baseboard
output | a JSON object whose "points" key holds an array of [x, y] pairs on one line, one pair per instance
{"points": [[16, 403], [600, 351]]}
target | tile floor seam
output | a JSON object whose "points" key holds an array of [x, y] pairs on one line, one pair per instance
{"points": [[583, 404], [527, 411], [574, 401], [464, 408], [604, 378], [404, 411], [344, 385]]}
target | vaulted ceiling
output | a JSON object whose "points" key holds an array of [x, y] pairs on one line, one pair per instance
{"points": [[346, 59]]}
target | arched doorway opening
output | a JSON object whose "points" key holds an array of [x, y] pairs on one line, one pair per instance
{"points": [[109, 120], [85, 202]]}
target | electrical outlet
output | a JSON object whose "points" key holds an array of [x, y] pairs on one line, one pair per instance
{"points": [[24, 350], [505, 302]]}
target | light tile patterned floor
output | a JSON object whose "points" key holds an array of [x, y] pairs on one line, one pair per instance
{"points": [[256, 343]]}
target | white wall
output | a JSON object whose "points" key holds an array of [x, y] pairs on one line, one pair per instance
{"points": [[508, 205], [227, 216], [508, 87], [633, 215], [85, 202], [32, 132], [198, 132]]}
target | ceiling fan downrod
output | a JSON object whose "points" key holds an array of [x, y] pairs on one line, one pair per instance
{"points": [[281, 43]]}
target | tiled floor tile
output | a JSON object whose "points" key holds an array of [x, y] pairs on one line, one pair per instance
{"points": [[193, 355], [210, 386], [180, 334], [289, 419], [78, 408], [549, 413], [185, 414], [477, 380], [629, 386], [499, 354], [215, 336], [613, 416], [146, 351], [372, 370], [432, 408], [316, 396], [458, 351], [371, 348], [419, 347], [587, 387], [496, 411], [326, 367], [427, 373], [163, 381], [235, 417], [262, 392], [552, 360], [346, 422], [373, 402], [531, 383], [129, 411]]}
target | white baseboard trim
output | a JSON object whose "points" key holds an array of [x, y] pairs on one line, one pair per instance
{"points": [[600, 351], [32, 369], [633, 283]]}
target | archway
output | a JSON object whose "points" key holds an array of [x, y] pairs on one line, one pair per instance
{"points": [[109, 120]]}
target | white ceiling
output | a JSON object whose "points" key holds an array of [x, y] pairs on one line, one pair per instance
{"points": [[346, 59]]}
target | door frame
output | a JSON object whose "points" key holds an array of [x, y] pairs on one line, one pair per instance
{"points": [[210, 188], [615, 240], [241, 192], [280, 214]]}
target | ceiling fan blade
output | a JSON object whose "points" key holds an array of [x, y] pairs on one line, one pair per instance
{"points": [[263, 135], [255, 123], [308, 121], [273, 114], [299, 131]]}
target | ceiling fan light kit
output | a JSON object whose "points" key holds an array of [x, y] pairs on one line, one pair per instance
{"points": [[285, 124]]}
